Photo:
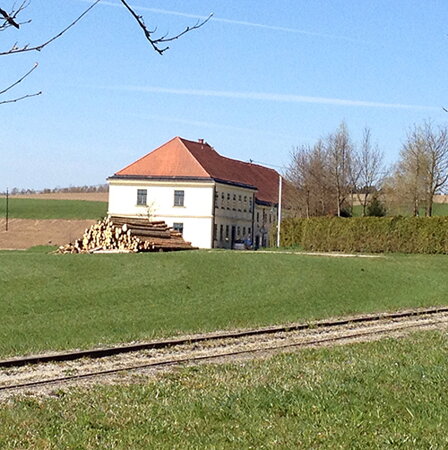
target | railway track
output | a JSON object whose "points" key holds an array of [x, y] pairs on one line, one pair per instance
{"points": [[214, 346]]}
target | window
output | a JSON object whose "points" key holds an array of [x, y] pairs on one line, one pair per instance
{"points": [[249, 231], [227, 231], [142, 196], [179, 198], [239, 198], [238, 231], [258, 217], [221, 232], [250, 204], [178, 226], [244, 231]]}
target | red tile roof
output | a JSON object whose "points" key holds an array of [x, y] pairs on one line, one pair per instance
{"points": [[183, 158]]}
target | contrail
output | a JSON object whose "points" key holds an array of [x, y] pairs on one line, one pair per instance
{"points": [[234, 22], [271, 97]]}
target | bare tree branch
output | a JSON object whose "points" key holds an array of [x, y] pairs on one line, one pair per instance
{"points": [[20, 79], [20, 98], [155, 43], [26, 48], [10, 20]]}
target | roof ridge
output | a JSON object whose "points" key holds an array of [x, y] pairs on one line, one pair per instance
{"points": [[226, 157], [194, 157], [245, 163]]}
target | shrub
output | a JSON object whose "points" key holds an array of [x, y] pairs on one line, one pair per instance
{"points": [[368, 234], [376, 208]]}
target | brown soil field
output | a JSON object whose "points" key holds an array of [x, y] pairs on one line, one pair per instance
{"points": [[26, 233], [90, 196]]}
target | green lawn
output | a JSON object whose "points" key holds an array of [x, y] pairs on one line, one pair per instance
{"points": [[386, 394], [68, 301], [27, 208]]}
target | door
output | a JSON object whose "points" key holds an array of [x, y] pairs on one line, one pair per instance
{"points": [[232, 236]]}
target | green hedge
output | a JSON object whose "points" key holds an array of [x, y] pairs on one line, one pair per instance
{"points": [[368, 234]]}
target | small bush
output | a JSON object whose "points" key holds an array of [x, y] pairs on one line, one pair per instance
{"points": [[376, 208]]}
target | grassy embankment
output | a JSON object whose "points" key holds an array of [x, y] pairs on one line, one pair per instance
{"points": [[26, 208], [386, 394], [68, 301]]}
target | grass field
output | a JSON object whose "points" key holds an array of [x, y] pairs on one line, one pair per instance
{"points": [[385, 394], [439, 209], [26, 208], [68, 301]]}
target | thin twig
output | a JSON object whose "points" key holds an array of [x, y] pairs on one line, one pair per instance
{"points": [[9, 19], [20, 98], [148, 33], [38, 48], [20, 79]]}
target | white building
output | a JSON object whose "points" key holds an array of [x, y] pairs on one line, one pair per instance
{"points": [[214, 201]]}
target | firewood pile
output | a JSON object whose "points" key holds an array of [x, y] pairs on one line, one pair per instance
{"points": [[124, 235]]}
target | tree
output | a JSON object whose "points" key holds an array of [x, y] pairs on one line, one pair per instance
{"points": [[370, 170], [12, 18], [327, 175], [406, 186], [308, 173], [435, 144], [422, 169], [341, 164]]}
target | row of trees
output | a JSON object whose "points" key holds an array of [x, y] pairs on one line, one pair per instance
{"points": [[57, 190], [330, 175]]}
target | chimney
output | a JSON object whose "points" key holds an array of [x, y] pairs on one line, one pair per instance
{"points": [[201, 141]]}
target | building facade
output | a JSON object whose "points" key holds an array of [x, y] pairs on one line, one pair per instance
{"points": [[213, 200]]}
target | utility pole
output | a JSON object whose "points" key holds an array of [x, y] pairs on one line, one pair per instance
{"points": [[7, 209], [279, 209]]}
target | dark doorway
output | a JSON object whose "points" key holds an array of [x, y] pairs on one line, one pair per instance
{"points": [[232, 236]]}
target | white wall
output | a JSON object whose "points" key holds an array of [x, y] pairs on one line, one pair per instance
{"points": [[196, 214], [230, 212], [198, 210]]}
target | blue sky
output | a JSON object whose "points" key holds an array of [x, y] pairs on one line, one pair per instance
{"points": [[259, 79]]}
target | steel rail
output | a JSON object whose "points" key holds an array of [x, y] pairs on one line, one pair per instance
{"points": [[194, 359], [159, 344]]}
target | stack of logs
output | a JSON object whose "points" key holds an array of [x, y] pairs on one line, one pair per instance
{"points": [[120, 234]]}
